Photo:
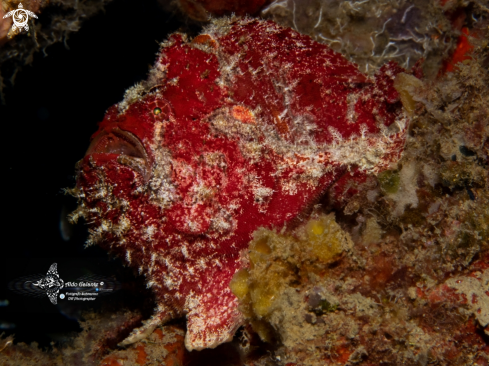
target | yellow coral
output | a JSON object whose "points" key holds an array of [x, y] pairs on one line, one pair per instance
{"points": [[259, 250], [239, 284], [326, 238], [406, 86], [262, 297], [263, 265], [278, 262]]}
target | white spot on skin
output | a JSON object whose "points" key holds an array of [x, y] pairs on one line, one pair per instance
{"points": [[351, 100], [184, 251]]}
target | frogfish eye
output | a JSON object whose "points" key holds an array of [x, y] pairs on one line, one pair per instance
{"points": [[157, 111]]}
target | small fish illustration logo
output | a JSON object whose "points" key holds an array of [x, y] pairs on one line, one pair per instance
{"points": [[20, 17], [51, 283]]}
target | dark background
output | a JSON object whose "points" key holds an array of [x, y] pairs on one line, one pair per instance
{"points": [[50, 113]]}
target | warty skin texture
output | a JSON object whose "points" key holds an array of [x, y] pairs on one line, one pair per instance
{"points": [[244, 127]]}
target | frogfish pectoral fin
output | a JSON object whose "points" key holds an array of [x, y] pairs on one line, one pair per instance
{"points": [[212, 319], [160, 317]]}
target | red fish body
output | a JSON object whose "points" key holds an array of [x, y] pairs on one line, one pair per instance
{"points": [[242, 128]]}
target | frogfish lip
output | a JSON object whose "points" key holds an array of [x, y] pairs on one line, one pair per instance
{"points": [[125, 144]]}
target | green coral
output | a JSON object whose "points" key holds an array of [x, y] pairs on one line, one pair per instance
{"points": [[389, 181]]}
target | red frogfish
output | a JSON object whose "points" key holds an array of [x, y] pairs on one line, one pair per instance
{"points": [[243, 127]]}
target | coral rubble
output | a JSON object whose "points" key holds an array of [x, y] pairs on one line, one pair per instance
{"points": [[366, 304], [95, 344]]}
